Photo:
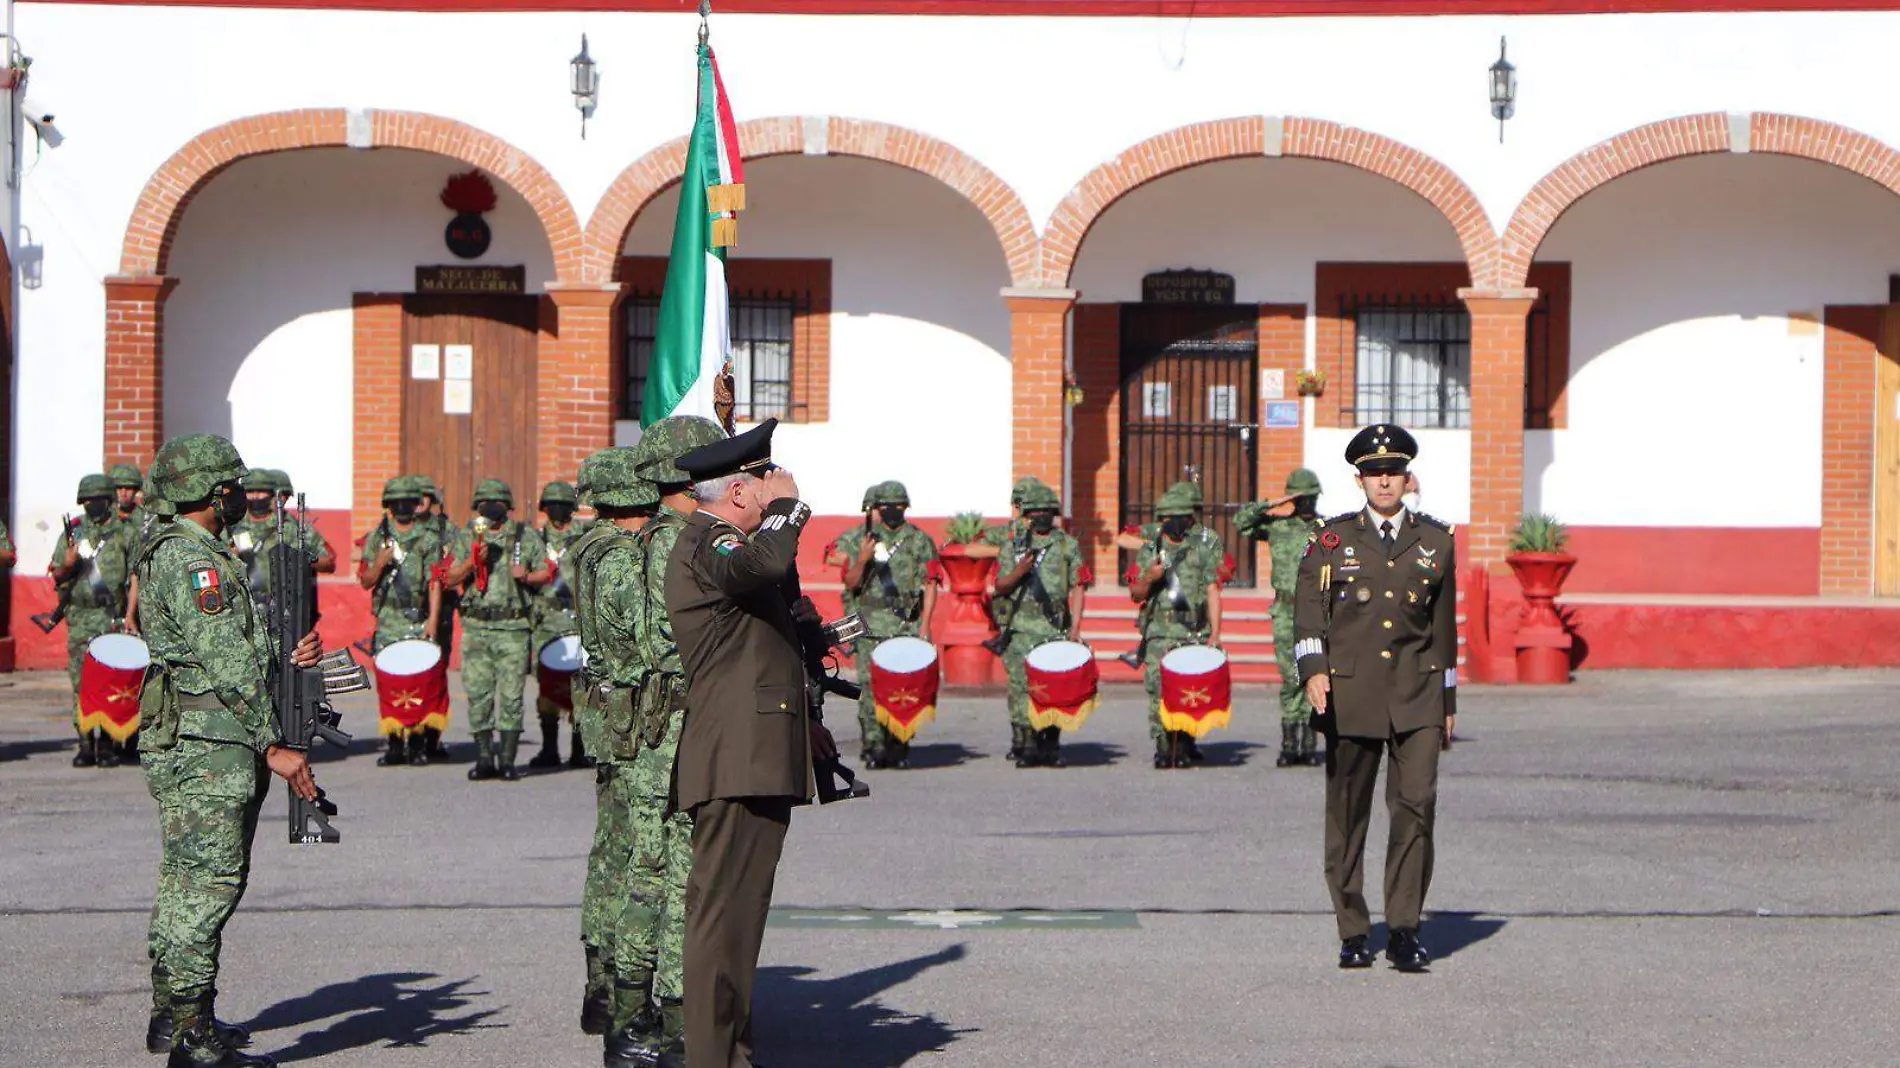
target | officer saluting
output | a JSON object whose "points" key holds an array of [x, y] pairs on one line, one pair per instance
{"points": [[745, 756], [1378, 650]]}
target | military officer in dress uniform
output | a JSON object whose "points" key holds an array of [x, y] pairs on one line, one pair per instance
{"points": [[1378, 653], [745, 757]]}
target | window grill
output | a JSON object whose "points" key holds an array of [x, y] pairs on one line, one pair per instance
{"points": [[764, 331], [1411, 362]]}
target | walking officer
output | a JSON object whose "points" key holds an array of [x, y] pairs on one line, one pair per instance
{"points": [[554, 614], [210, 739], [1287, 536], [503, 561], [1176, 579], [1378, 651], [890, 581], [91, 563]]}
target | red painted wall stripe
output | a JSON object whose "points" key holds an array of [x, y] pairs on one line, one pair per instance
{"points": [[1203, 9]]}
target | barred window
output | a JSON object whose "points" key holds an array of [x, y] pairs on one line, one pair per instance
{"points": [[1412, 365], [763, 342]]}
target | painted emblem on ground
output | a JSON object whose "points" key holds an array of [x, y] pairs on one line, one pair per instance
{"points": [[956, 919]]}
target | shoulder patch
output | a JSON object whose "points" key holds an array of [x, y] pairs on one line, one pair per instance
{"points": [[1437, 522], [728, 543], [1343, 517], [206, 587]]}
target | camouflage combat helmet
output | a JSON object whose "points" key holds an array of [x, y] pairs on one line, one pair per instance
{"points": [[611, 478], [125, 476], [891, 492], [1182, 498], [1302, 483], [1023, 486], [1040, 498], [188, 469], [260, 478], [282, 478], [426, 486], [668, 440], [403, 488], [558, 493], [867, 504], [493, 489], [93, 486]]}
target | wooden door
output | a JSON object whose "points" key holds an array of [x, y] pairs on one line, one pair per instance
{"points": [[1190, 376], [1887, 458], [495, 438]]}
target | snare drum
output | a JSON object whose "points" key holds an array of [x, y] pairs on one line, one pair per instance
{"points": [[412, 687], [110, 680], [1197, 690], [554, 670], [904, 683], [1063, 685]]}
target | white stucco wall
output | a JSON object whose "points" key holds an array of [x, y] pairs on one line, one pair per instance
{"points": [[1096, 87]]}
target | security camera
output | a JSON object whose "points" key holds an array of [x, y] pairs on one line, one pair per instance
{"points": [[42, 122]]}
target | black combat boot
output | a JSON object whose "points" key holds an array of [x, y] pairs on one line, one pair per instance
{"points": [[87, 756], [158, 1032], [635, 1037], [1049, 747], [418, 750], [395, 757], [200, 1043], [597, 1008], [577, 757], [432, 739], [1029, 750], [672, 1032], [1310, 754], [1289, 746], [1016, 740], [550, 754], [510, 743], [897, 754], [1164, 750], [106, 749], [484, 757], [130, 750], [1191, 748]]}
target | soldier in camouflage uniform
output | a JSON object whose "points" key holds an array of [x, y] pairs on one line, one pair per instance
{"points": [[1286, 537], [8, 554], [605, 565], [554, 614], [503, 561], [651, 932], [91, 563], [127, 481], [210, 740], [1044, 577], [253, 537], [1176, 579], [891, 576], [432, 516], [399, 568]]}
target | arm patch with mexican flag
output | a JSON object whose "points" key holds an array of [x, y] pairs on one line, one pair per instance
{"points": [[205, 585], [728, 543]]}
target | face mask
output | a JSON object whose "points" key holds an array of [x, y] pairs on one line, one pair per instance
{"points": [[404, 511], [231, 505], [258, 508], [98, 511], [892, 517], [493, 511], [559, 513], [1306, 507], [1042, 522], [1176, 526]]}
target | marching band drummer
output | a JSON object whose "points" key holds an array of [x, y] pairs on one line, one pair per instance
{"points": [[1176, 578], [1377, 619], [1043, 573]]}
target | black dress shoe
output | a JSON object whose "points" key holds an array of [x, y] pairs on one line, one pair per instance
{"points": [[1405, 953], [1354, 954]]}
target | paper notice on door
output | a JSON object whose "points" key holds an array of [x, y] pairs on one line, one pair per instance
{"points": [[458, 396], [425, 361], [458, 361]]}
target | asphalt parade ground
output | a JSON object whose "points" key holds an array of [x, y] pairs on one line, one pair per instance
{"points": [[1638, 869]]}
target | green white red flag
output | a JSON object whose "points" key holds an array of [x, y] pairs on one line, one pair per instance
{"points": [[693, 346]]}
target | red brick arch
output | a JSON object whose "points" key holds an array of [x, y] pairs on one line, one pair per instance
{"points": [[162, 204], [1687, 135], [1244, 138], [658, 170]]}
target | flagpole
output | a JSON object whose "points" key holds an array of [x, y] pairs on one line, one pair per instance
{"points": [[725, 401]]}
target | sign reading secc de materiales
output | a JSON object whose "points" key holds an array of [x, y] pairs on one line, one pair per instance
{"points": [[454, 279]]}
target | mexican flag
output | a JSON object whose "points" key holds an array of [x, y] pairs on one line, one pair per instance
{"points": [[693, 345]]}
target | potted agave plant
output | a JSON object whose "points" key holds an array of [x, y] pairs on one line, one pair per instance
{"points": [[965, 626], [1538, 559]]}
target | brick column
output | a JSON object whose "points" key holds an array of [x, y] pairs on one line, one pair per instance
{"points": [[575, 380], [1096, 446], [1497, 421], [135, 366], [1282, 340], [1038, 340], [1849, 439], [376, 410]]}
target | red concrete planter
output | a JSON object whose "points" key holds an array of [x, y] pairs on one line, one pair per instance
{"points": [[1543, 642], [962, 626]]}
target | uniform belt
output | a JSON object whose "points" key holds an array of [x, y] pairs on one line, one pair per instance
{"points": [[494, 615], [199, 702]]}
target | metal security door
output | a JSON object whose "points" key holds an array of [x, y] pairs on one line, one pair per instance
{"points": [[1189, 398], [492, 434]]}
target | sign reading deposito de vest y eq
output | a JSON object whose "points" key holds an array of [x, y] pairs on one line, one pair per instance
{"points": [[1187, 287], [457, 279]]}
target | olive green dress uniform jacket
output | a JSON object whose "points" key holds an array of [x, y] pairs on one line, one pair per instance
{"points": [[730, 599], [1383, 626]]}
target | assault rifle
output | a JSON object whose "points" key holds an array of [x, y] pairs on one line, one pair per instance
{"points": [[999, 643], [1139, 655], [301, 695], [50, 621], [836, 782]]}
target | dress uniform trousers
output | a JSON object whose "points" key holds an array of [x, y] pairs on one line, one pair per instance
{"points": [[736, 847], [1411, 799]]}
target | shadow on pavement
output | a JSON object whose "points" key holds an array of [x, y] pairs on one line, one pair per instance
{"points": [[941, 755], [1229, 754], [393, 1009], [1445, 933], [22, 750], [825, 1023], [1091, 754]]}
